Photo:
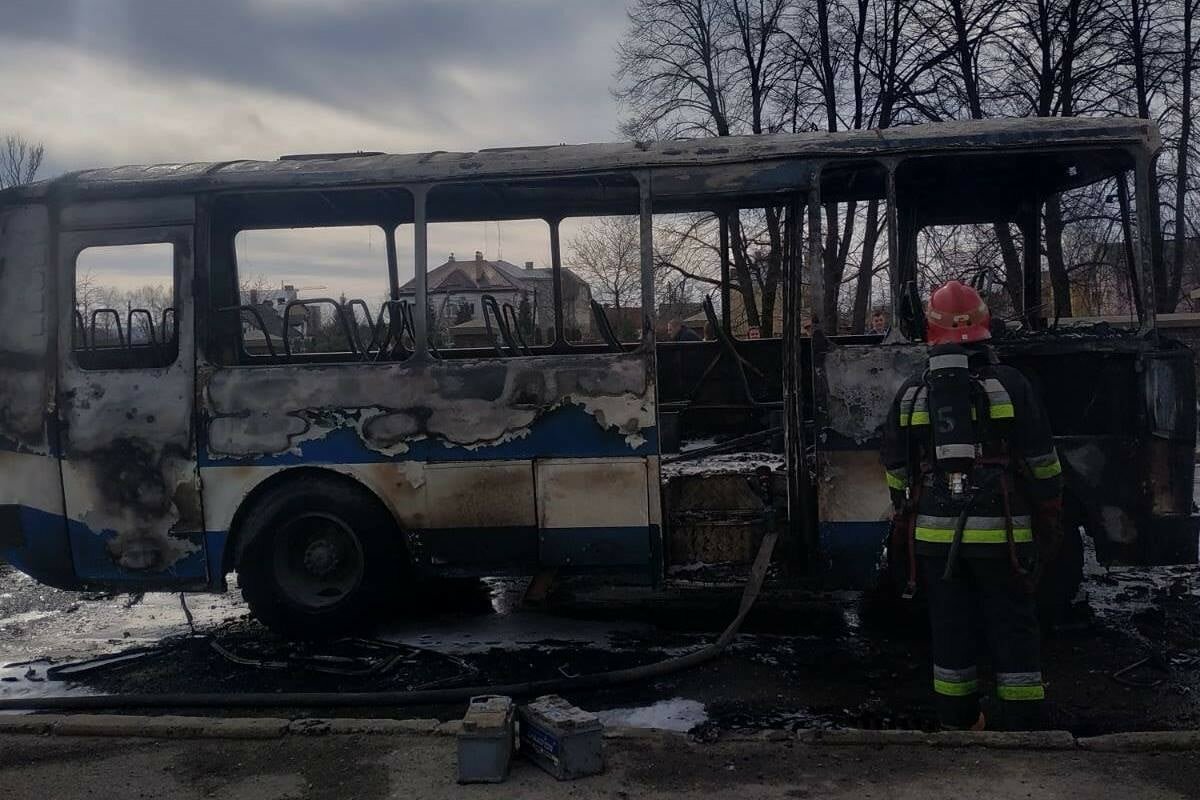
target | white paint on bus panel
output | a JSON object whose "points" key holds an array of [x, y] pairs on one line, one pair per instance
{"points": [[420, 496], [852, 488], [592, 493], [30, 480], [474, 494]]}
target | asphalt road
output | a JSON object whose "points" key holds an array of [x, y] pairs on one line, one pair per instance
{"points": [[346, 766], [1130, 661]]}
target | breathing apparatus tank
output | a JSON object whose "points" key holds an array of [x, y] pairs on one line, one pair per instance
{"points": [[951, 407]]}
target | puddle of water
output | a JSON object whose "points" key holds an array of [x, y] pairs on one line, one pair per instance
{"points": [[514, 631]]}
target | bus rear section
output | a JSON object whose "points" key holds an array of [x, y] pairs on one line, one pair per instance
{"points": [[106, 326], [33, 527]]}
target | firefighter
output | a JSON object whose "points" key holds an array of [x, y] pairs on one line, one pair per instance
{"points": [[977, 489]]}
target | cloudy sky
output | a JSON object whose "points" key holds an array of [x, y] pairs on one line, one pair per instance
{"points": [[128, 81], [106, 82]]}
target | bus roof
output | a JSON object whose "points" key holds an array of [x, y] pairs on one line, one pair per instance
{"points": [[330, 170]]}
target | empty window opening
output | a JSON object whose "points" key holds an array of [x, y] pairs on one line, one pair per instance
{"points": [[320, 292], [125, 307], [602, 280], [489, 288]]}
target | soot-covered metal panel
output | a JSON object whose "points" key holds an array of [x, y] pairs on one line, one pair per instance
{"points": [[384, 411], [25, 328]]}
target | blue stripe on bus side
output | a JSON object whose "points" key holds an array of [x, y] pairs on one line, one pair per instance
{"points": [[68, 554], [596, 546], [214, 549], [567, 432], [56, 552], [35, 542], [92, 560], [495, 545]]}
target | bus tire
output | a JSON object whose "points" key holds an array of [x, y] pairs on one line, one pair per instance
{"points": [[320, 558]]}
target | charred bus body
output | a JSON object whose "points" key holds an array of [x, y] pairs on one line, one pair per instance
{"points": [[170, 458]]}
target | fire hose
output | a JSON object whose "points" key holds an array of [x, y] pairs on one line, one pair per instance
{"points": [[758, 572]]}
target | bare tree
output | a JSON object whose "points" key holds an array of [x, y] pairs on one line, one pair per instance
{"points": [[20, 160], [1189, 44], [727, 67], [1143, 82], [712, 68], [606, 253]]}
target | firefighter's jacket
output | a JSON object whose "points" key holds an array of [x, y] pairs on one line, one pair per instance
{"points": [[1013, 431]]}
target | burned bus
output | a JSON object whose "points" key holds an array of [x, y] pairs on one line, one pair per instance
{"points": [[333, 449]]}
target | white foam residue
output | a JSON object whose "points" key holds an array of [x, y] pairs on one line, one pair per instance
{"points": [[676, 714], [741, 463]]}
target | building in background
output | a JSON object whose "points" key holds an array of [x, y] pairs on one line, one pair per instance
{"points": [[271, 304], [455, 290]]}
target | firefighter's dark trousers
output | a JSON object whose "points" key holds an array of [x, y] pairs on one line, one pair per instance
{"points": [[983, 605]]}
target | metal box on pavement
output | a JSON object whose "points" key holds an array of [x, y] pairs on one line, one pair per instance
{"points": [[485, 743], [561, 738]]}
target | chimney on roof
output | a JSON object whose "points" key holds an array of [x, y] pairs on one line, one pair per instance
{"points": [[478, 255], [528, 265], [451, 255]]}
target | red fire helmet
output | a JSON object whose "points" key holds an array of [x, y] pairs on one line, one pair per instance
{"points": [[957, 314]]}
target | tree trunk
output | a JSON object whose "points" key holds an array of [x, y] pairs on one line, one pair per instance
{"points": [[866, 270], [1059, 281], [774, 270], [1166, 296], [1013, 284], [741, 269], [1181, 159]]}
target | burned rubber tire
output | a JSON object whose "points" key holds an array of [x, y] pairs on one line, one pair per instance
{"points": [[320, 559]]}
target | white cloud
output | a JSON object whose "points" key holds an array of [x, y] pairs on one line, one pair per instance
{"points": [[121, 82], [92, 110]]}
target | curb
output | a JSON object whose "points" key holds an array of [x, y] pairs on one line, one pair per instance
{"points": [[996, 740], [181, 727], [1143, 742]]}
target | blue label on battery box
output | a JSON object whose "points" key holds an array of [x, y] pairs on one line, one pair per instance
{"points": [[542, 741]]}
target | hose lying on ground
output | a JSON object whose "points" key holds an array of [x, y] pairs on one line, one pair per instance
{"points": [[758, 573]]}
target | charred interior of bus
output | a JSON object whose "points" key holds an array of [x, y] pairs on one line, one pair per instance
{"points": [[743, 418]]}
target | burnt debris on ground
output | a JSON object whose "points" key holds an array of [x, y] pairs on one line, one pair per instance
{"points": [[1127, 661]]}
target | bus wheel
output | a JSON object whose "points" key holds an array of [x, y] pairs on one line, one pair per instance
{"points": [[319, 557]]}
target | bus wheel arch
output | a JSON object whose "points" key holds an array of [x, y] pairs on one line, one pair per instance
{"points": [[317, 553]]}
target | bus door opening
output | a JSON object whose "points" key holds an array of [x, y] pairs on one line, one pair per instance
{"points": [[126, 397]]}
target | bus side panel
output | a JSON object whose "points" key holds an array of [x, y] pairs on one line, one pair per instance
{"points": [[33, 533], [855, 386], [593, 512], [452, 447], [466, 514]]}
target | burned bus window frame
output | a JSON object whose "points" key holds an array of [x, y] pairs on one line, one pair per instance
{"points": [[606, 328], [550, 199], [344, 319], [496, 308], [153, 355], [387, 207]]}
